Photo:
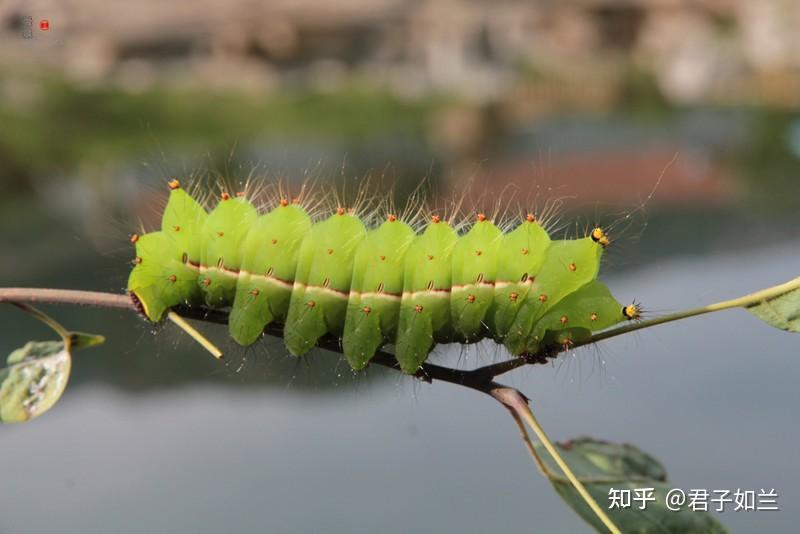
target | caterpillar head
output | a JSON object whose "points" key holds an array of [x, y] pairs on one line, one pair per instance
{"points": [[632, 311], [598, 235]]}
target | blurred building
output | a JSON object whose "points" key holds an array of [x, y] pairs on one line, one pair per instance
{"points": [[723, 50]]}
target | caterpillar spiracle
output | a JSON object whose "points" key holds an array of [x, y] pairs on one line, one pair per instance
{"points": [[372, 286]]}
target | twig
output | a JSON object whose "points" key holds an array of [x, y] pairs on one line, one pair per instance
{"points": [[512, 399], [66, 296], [480, 379], [427, 372], [745, 301]]}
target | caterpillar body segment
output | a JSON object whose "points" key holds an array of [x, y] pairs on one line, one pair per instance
{"points": [[268, 265], [474, 269], [372, 287], [425, 304], [322, 281], [568, 265], [165, 282], [376, 290], [183, 221], [519, 259], [221, 249], [572, 320]]}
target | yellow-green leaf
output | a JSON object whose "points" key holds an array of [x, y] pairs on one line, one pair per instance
{"points": [[782, 311], [601, 466], [36, 374]]}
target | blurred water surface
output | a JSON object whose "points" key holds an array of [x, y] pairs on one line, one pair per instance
{"points": [[714, 398], [154, 435], [508, 105]]}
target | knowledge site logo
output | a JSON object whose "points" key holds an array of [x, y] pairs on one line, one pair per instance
{"points": [[27, 26]]}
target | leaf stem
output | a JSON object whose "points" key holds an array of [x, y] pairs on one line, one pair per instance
{"points": [[526, 439], [46, 319], [514, 401], [197, 336], [745, 301]]}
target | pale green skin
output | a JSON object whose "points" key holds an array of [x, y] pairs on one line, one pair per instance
{"points": [[372, 288], [474, 270], [221, 251], [373, 308], [322, 282], [425, 306], [268, 266]]}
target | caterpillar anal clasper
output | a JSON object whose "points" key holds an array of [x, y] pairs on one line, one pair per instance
{"points": [[372, 286]]}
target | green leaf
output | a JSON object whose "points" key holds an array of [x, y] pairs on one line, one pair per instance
{"points": [[36, 374], [782, 311], [601, 466], [34, 380]]}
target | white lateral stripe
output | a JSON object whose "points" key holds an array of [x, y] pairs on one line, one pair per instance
{"points": [[375, 295], [435, 293]]}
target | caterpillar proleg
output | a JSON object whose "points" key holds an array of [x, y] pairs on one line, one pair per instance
{"points": [[372, 286]]}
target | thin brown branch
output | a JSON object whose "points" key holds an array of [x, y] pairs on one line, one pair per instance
{"points": [[480, 379], [480, 376], [66, 296]]}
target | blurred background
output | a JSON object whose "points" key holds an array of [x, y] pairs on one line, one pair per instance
{"points": [[589, 102]]}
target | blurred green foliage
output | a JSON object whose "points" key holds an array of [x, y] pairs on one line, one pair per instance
{"points": [[63, 126]]}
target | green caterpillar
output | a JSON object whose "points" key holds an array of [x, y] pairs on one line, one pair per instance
{"points": [[375, 286]]}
